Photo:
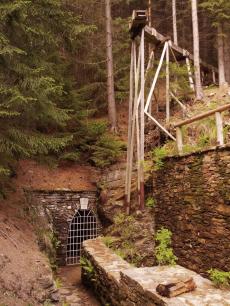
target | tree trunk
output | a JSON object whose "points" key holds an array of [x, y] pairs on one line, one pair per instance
{"points": [[110, 77], [150, 12], [175, 38], [221, 66], [196, 51], [227, 56]]}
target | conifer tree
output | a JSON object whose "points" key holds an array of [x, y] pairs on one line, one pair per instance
{"points": [[36, 91]]}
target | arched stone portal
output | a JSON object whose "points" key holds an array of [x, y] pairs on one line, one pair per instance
{"points": [[62, 209], [82, 227]]}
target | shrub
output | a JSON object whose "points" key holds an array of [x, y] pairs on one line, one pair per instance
{"points": [[158, 154], [219, 278], [164, 252], [106, 151], [87, 268], [108, 241], [150, 202], [70, 156]]}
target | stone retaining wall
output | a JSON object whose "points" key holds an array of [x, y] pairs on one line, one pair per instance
{"points": [[116, 283], [193, 201]]}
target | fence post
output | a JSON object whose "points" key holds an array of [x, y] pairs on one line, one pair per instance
{"points": [[219, 128], [179, 140]]}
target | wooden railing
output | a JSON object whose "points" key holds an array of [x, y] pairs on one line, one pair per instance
{"points": [[219, 125]]}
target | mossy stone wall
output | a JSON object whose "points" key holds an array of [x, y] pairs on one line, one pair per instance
{"points": [[193, 201]]}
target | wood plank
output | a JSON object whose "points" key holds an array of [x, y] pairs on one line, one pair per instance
{"points": [[203, 115]]}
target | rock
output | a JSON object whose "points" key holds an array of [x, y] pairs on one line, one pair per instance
{"points": [[4, 260], [46, 282], [55, 297]]}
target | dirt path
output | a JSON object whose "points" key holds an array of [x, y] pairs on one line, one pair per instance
{"points": [[72, 291]]}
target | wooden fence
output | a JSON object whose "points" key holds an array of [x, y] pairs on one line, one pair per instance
{"points": [[219, 125]]}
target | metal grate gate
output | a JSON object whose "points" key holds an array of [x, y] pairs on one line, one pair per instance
{"points": [[83, 227]]}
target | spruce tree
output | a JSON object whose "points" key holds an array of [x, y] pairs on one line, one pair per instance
{"points": [[37, 40]]}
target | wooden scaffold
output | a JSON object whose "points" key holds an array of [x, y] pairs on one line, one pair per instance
{"points": [[140, 103]]}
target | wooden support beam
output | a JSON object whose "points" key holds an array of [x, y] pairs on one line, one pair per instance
{"points": [[149, 99], [158, 39], [160, 126], [138, 154], [179, 140], [190, 77], [127, 179], [167, 84], [219, 129], [134, 109], [142, 122], [178, 101]]}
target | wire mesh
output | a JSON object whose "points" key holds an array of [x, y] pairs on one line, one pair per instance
{"points": [[83, 226]]}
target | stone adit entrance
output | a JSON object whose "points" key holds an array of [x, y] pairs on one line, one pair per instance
{"points": [[71, 215], [83, 226]]}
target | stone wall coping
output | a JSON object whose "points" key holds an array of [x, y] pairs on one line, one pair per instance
{"points": [[104, 257], [200, 152], [141, 283], [149, 278], [60, 190]]}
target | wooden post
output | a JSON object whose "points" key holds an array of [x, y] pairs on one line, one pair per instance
{"points": [[191, 82], [219, 128], [136, 69], [130, 122], [142, 123], [167, 84], [179, 140], [213, 76], [138, 155]]}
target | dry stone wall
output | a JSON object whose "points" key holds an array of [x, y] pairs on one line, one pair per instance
{"points": [[116, 283], [193, 201]]}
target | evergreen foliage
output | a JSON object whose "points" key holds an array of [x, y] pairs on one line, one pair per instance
{"points": [[36, 93], [219, 10], [42, 111]]}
